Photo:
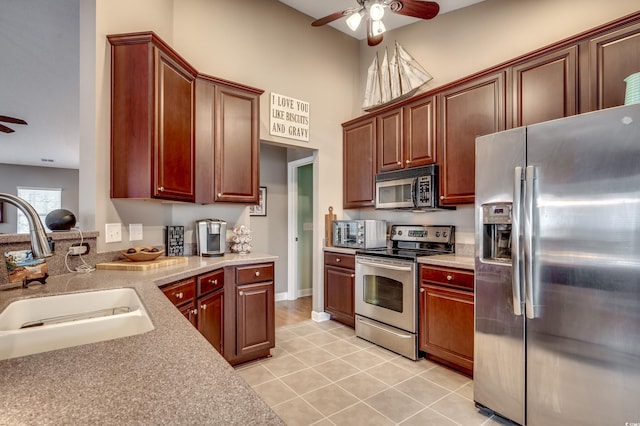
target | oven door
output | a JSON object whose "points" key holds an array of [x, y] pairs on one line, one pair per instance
{"points": [[385, 291]]}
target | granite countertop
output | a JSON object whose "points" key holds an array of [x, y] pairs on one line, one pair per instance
{"points": [[342, 250], [461, 261], [170, 375]]}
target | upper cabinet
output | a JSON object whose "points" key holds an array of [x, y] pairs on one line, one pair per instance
{"points": [[176, 134], [227, 142], [613, 56], [545, 87], [152, 111], [466, 112], [359, 163]]}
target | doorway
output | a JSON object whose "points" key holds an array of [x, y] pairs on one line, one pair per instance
{"points": [[300, 253]]}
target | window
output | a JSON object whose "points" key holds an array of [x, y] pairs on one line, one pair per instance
{"points": [[43, 200]]}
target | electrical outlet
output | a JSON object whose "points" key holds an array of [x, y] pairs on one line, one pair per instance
{"points": [[112, 232], [78, 249], [135, 231]]}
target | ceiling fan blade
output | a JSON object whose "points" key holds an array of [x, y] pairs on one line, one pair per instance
{"points": [[372, 39], [11, 120], [415, 8], [5, 129], [334, 16]]}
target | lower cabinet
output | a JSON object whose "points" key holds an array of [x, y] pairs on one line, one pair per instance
{"points": [[339, 280], [201, 301], [251, 301], [446, 323], [233, 308]]}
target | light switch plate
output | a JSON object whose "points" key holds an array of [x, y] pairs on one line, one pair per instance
{"points": [[135, 231], [112, 232]]}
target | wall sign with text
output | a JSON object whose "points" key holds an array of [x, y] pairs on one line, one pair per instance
{"points": [[289, 118]]}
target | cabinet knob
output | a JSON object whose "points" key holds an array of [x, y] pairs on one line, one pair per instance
{"points": [[442, 197], [399, 163], [193, 312], [408, 162], [203, 306], [257, 273], [449, 277], [353, 275], [161, 188], [241, 293], [219, 194], [337, 259], [179, 295], [422, 290], [214, 282]]}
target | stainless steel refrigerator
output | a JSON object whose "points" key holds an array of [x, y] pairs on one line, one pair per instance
{"points": [[557, 270]]}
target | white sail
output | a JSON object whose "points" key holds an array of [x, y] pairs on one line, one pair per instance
{"points": [[394, 79], [372, 91], [386, 77], [412, 75]]}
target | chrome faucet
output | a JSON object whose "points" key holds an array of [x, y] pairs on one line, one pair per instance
{"points": [[39, 244]]}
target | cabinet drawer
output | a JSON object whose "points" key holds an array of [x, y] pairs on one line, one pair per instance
{"points": [[254, 273], [210, 282], [448, 277], [342, 260], [181, 292]]}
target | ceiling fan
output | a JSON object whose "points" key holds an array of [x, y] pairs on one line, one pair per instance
{"points": [[374, 11], [12, 120]]}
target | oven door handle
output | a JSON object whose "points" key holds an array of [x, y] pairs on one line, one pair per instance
{"points": [[385, 266], [403, 336]]}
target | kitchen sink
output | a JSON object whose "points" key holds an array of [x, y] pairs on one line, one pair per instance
{"points": [[47, 323]]}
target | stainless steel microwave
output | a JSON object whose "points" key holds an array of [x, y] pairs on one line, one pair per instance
{"points": [[409, 189], [359, 234]]}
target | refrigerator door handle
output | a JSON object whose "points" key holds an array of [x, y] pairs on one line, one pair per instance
{"points": [[516, 282], [530, 275]]}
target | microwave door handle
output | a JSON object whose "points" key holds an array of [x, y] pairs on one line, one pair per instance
{"points": [[414, 195]]}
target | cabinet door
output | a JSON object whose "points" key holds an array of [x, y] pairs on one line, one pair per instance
{"points": [[612, 57], [190, 312], [210, 319], [420, 132], [174, 136], [545, 88], [467, 111], [339, 294], [446, 325], [390, 141], [255, 327], [236, 145], [359, 164]]}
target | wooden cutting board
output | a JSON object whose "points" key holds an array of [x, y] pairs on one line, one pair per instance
{"points": [[328, 231], [129, 265]]}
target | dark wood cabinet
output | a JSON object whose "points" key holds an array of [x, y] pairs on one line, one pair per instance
{"points": [[152, 120], [613, 56], [227, 141], [546, 87], [339, 281], [467, 111], [446, 319], [420, 132], [359, 163], [252, 312], [406, 136], [201, 300], [390, 141]]}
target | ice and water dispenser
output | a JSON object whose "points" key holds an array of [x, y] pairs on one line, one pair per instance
{"points": [[496, 219]]}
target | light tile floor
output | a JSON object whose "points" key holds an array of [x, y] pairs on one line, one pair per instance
{"points": [[321, 374]]}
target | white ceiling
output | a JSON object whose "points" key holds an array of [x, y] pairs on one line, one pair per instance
{"points": [[39, 73], [321, 8]]}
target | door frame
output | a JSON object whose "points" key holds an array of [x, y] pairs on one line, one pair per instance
{"points": [[292, 226]]}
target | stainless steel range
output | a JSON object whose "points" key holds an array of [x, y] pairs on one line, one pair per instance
{"points": [[386, 289]]}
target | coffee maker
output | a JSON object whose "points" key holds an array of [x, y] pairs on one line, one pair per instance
{"points": [[211, 237]]}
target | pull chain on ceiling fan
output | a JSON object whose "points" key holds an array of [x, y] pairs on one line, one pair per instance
{"points": [[12, 120], [374, 12]]}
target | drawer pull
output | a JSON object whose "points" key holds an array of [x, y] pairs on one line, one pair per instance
{"points": [[257, 273], [353, 275], [214, 282], [179, 295], [204, 307], [337, 259], [161, 188], [449, 277]]}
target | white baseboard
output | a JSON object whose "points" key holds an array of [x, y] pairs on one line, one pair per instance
{"points": [[281, 296], [305, 292], [320, 316]]}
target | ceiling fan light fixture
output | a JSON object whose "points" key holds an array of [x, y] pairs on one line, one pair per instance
{"points": [[376, 11], [377, 27], [353, 21]]}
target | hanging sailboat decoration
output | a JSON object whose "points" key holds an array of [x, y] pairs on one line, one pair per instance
{"points": [[393, 80]]}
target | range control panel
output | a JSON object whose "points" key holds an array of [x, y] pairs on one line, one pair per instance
{"points": [[422, 233]]}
